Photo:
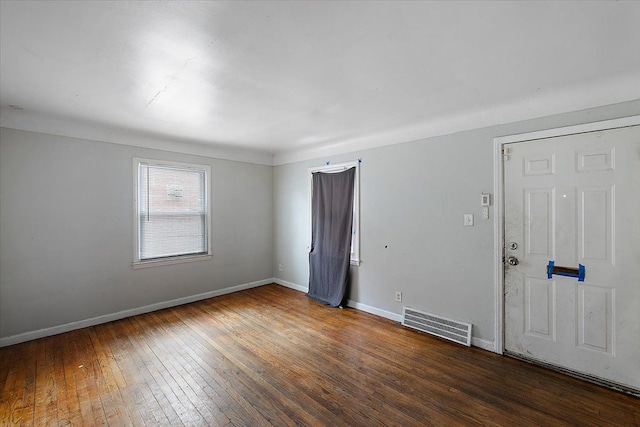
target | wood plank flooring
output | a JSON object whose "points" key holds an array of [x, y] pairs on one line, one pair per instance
{"points": [[271, 356]]}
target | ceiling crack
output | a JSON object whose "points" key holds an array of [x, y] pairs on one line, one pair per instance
{"points": [[187, 62], [175, 76], [156, 95], [172, 79]]}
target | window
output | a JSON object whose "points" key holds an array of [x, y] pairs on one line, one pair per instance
{"points": [[355, 231], [171, 212]]}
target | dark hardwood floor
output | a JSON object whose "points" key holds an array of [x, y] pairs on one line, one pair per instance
{"points": [[271, 356]]}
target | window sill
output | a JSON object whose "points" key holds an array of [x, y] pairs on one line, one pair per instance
{"points": [[169, 261]]}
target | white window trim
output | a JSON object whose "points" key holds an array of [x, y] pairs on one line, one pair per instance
{"points": [[339, 167], [137, 262]]}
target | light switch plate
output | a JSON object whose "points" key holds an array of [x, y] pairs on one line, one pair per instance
{"points": [[468, 220]]}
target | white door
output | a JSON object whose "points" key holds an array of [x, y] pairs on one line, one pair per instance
{"points": [[575, 200]]}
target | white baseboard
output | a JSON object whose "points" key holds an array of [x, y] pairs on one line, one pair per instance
{"points": [[54, 330], [291, 285], [352, 304], [476, 342], [483, 344], [373, 310]]}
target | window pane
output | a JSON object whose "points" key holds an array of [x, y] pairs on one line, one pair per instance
{"points": [[172, 211]]}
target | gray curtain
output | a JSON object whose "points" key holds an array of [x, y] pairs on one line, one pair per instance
{"points": [[331, 222]]}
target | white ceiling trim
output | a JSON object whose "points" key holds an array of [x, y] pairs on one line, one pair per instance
{"points": [[622, 89], [115, 135]]}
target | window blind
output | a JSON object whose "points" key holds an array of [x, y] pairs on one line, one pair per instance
{"points": [[172, 211]]}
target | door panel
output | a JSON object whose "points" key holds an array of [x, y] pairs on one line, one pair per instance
{"points": [[575, 200], [539, 308], [540, 225], [595, 215], [595, 318]]}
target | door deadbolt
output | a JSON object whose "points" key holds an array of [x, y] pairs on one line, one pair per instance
{"points": [[513, 246], [512, 260]]}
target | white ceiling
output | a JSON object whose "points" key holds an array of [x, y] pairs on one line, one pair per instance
{"points": [[282, 81]]}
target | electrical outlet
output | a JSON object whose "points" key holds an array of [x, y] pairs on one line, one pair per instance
{"points": [[279, 267], [398, 296]]}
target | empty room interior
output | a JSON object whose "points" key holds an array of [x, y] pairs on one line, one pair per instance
{"points": [[319, 213]]}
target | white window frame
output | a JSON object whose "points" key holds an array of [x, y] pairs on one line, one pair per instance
{"points": [[339, 167], [179, 259]]}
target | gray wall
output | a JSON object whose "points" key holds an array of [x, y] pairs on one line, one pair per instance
{"points": [[66, 231], [66, 226], [413, 197]]}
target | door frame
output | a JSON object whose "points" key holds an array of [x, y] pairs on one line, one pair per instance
{"points": [[498, 191]]}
